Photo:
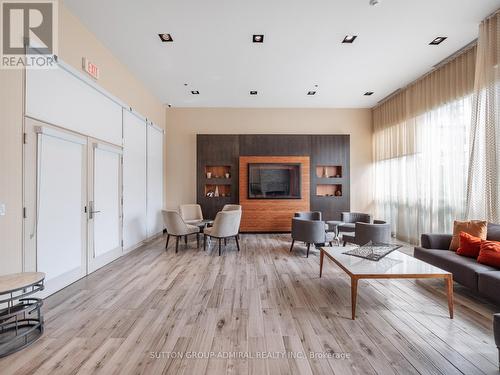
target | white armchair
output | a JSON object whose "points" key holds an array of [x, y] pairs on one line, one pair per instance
{"points": [[191, 213], [226, 225], [231, 207], [178, 228]]}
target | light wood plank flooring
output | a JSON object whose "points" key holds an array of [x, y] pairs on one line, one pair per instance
{"points": [[154, 311]]}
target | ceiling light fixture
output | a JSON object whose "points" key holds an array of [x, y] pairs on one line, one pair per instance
{"points": [[195, 92], [368, 93], [258, 38], [311, 93], [374, 2], [253, 92], [349, 38], [438, 40], [166, 38]]}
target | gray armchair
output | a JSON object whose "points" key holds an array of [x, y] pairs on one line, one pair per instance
{"points": [[378, 232], [349, 219], [496, 330], [309, 228]]}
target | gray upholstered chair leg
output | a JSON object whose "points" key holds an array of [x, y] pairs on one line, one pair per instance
{"points": [[219, 246], [308, 246], [237, 243], [176, 244], [198, 240], [291, 247], [186, 240], [204, 242], [168, 238]]}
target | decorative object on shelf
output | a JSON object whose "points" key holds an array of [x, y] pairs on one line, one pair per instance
{"points": [[227, 175], [21, 320], [337, 176], [210, 194], [216, 191], [372, 251], [325, 172], [338, 193], [209, 174]]}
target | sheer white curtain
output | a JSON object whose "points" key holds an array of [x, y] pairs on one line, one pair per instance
{"points": [[484, 172], [421, 151], [424, 190]]}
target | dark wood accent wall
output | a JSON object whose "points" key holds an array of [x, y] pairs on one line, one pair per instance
{"points": [[326, 149], [330, 150], [272, 215], [216, 150]]}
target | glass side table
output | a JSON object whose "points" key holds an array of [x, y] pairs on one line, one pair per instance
{"points": [[334, 225]]}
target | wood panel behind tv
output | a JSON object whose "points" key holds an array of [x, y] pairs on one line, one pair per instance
{"points": [[272, 215]]}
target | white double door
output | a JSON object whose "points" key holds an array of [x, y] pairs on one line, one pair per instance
{"points": [[73, 204]]}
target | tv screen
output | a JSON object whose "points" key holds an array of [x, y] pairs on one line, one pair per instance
{"points": [[273, 181]]}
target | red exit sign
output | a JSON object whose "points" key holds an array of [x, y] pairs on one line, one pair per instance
{"points": [[90, 68]]}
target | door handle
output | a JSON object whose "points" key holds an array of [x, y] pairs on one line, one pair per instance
{"points": [[91, 210]]}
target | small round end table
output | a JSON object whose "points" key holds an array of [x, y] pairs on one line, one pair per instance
{"points": [[21, 320]]}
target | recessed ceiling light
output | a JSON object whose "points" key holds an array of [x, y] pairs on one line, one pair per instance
{"points": [[374, 2], [349, 38], [253, 92], [438, 40], [311, 93], [166, 37], [258, 38], [195, 92], [368, 93]]}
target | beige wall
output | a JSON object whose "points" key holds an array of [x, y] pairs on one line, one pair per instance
{"points": [[75, 42], [184, 123]]}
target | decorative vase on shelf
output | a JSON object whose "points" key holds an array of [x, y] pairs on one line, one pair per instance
{"points": [[227, 175], [216, 191], [209, 174], [325, 172]]}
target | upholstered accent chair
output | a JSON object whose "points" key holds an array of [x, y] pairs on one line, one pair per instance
{"points": [[191, 213], [178, 228], [309, 228], [378, 232], [226, 225], [231, 207], [350, 218]]}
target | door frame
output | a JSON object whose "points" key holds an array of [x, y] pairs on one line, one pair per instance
{"points": [[33, 130]]}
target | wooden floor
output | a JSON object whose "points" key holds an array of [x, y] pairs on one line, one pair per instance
{"points": [[261, 311]]}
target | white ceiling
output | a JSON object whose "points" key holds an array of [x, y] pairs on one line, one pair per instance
{"points": [[212, 50]]}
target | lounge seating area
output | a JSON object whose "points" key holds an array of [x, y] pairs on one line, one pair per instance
{"points": [[467, 271], [234, 187]]}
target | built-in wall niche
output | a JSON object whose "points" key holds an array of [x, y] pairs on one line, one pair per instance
{"points": [[217, 191], [329, 190], [217, 171], [329, 171]]}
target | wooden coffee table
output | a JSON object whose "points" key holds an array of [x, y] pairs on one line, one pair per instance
{"points": [[395, 265]]}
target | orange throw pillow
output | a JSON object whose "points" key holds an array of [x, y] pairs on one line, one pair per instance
{"points": [[489, 253], [476, 228], [469, 245]]}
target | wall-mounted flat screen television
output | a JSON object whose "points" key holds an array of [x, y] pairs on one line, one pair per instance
{"points": [[274, 181]]}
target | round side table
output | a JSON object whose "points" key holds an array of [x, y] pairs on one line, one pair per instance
{"points": [[21, 320]]}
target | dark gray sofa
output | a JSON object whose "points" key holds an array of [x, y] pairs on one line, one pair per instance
{"points": [[467, 271], [496, 330]]}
